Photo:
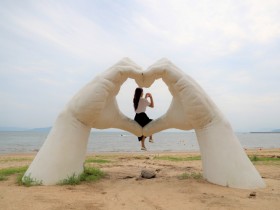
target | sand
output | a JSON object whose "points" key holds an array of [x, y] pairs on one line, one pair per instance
{"points": [[123, 189]]}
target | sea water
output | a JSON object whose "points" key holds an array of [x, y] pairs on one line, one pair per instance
{"points": [[27, 141]]}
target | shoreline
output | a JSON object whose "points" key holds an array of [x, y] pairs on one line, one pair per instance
{"points": [[275, 151]]}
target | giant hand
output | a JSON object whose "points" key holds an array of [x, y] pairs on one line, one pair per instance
{"points": [[190, 107], [224, 160], [94, 106]]}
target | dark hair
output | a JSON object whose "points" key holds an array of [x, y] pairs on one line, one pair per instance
{"points": [[137, 95]]}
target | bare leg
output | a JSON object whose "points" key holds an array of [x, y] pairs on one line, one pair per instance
{"points": [[151, 139], [143, 142]]}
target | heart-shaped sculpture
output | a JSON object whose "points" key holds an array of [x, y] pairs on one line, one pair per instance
{"points": [[95, 106]]}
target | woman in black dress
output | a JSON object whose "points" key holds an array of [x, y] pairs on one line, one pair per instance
{"points": [[141, 117]]}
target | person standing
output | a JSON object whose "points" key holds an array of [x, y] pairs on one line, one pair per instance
{"points": [[140, 104]]}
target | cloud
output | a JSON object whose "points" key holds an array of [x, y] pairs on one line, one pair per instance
{"points": [[61, 27], [50, 49], [248, 112], [212, 28]]}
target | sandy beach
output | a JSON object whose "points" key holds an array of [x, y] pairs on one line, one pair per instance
{"points": [[178, 185]]}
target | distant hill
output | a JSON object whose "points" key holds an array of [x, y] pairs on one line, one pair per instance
{"points": [[45, 129], [271, 131], [12, 129]]}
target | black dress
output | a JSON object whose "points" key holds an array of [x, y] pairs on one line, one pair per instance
{"points": [[142, 119]]}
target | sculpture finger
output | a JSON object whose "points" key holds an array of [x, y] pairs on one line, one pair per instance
{"points": [[134, 72], [121, 71], [162, 69], [175, 117], [118, 120], [127, 62], [112, 117]]}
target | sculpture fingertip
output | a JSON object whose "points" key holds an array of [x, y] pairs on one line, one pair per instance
{"points": [[127, 60], [163, 60]]}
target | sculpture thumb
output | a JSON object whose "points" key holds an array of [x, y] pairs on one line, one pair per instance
{"points": [[127, 124], [156, 126]]}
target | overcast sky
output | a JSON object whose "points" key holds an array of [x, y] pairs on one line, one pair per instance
{"points": [[51, 49]]}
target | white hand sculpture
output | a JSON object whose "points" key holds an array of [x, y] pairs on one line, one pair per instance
{"points": [[63, 153], [223, 158], [94, 106]]}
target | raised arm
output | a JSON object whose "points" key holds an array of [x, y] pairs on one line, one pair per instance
{"points": [[149, 95]]}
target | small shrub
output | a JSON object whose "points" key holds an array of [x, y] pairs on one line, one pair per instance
{"points": [[2, 178], [71, 180], [254, 158], [190, 176], [89, 175], [92, 174], [28, 180]]}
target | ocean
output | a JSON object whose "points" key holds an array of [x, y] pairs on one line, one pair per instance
{"points": [[27, 141]]}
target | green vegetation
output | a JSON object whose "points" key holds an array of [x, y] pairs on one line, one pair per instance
{"points": [[4, 173], [192, 175], [94, 160], [4, 160], [2, 178], [28, 180], [255, 158], [71, 180], [89, 175], [264, 160], [170, 158], [92, 175]]}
